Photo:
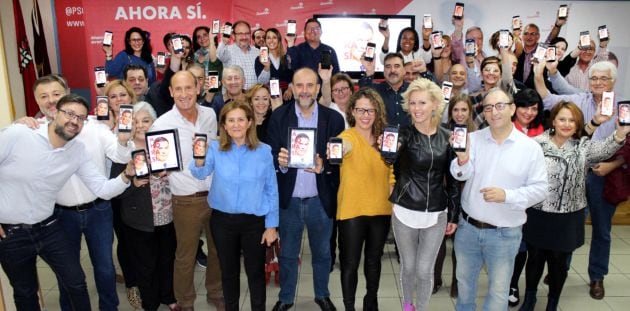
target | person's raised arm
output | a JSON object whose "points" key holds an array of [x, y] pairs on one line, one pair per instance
{"points": [[325, 75]]}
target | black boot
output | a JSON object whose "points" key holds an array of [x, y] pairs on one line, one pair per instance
{"points": [[370, 303], [552, 304], [529, 301]]}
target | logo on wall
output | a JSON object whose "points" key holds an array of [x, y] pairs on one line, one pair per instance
{"points": [[297, 7], [264, 12], [325, 3]]}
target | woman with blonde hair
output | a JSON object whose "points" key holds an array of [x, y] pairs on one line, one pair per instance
{"points": [[425, 197]]}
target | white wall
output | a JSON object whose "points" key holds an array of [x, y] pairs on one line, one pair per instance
{"points": [[8, 31]]}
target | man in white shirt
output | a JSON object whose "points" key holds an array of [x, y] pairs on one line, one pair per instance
{"points": [[505, 173], [79, 210], [34, 165], [191, 213]]}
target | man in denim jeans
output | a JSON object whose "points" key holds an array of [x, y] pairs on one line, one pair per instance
{"points": [[34, 165], [505, 173], [307, 196]]}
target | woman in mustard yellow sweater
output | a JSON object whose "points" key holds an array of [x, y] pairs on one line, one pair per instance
{"points": [[363, 212]]}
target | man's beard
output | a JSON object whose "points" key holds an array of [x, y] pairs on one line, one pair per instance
{"points": [[65, 136]]}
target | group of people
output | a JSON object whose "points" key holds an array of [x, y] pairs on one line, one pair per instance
{"points": [[512, 192]]}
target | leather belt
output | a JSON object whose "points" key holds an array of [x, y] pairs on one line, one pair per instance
{"points": [[80, 207], [478, 224], [196, 194], [44, 223]]}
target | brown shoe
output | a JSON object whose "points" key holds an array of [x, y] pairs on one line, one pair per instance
{"points": [[597, 289], [218, 303]]}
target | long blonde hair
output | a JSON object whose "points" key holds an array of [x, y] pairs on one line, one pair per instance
{"points": [[434, 92]]}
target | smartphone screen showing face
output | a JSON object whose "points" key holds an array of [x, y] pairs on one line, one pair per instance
{"points": [[213, 81], [227, 30], [458, 13], [216, 26], [603, 33], [335, 150], [516, 22], [102, 108], [389, 142], [370, 50], [100, 76], [161, 60], [447, 88], [274, 87], [200, 145], [540, 52], [264, 54], [291, 27], [607, 103], [563, 11], [326, 60], [585, 39], [623, 112], [140, 165], [382, 25], [125, 118], [427, 22], [178, 48], [470, 47], [107, 38], [459, 137], [436, 40], [504, 39], [550, 54]]}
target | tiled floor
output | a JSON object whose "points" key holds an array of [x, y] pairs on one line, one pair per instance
{"points": [[574, 297]]}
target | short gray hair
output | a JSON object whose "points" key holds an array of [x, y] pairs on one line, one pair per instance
{"points": [[142, 105], [604, 66]]}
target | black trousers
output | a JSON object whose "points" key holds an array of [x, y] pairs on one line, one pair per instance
{"points": [[153, 255], [123, 249], [233, 233], [557, 265], [353, 234]]}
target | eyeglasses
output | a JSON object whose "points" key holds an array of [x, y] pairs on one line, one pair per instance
{"points": [[340, 90], [498, 106], [136, 40], [73, 116], [242, 33], [362, 111], [313, 29], [601, 79]]}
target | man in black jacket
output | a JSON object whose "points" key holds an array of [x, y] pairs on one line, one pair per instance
{"points": [[307, 196]]}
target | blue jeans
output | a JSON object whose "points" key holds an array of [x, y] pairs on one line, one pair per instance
{"points": [[311, 213], [601, 220], [96, 224], [18, 253], [496, 249]]}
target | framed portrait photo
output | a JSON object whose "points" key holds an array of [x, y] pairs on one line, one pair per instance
{"points": [[302, 147], [164, 151]]}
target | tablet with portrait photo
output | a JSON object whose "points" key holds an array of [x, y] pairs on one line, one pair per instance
{"points": [[164, 150], [302, 147]]}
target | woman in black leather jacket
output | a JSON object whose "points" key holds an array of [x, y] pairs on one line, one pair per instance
{"points": [[425, 196]]}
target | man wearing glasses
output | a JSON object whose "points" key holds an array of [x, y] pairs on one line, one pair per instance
{"points": [[505, 173], [241, 53], [34, 166], [81, 211], [602, 77]]}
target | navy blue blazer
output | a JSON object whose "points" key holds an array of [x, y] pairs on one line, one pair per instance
{"points": [[329, 124]]}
